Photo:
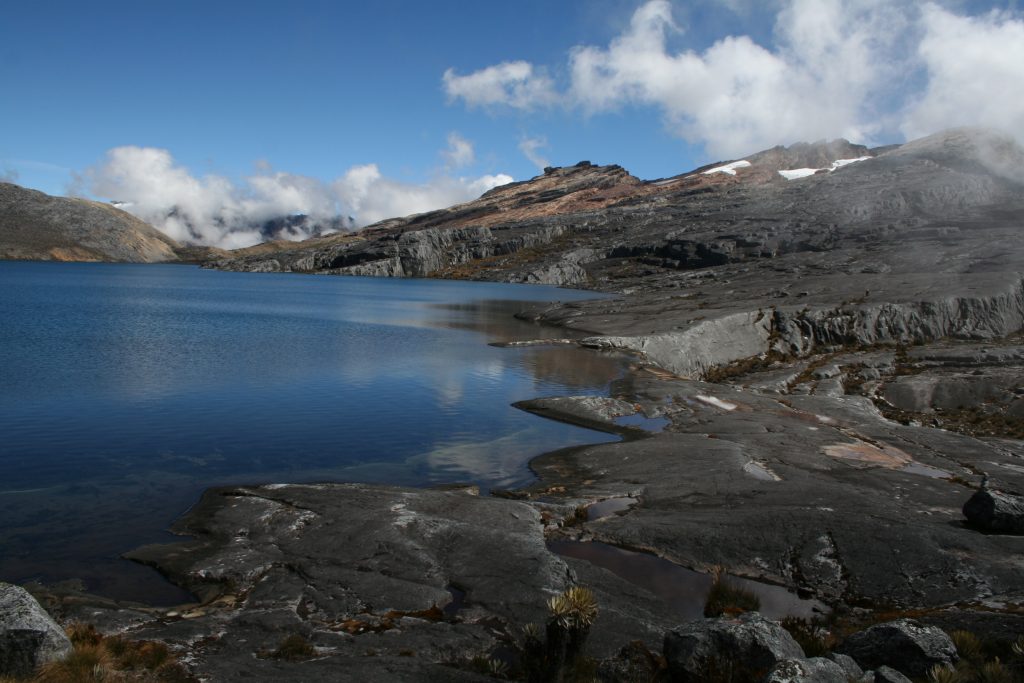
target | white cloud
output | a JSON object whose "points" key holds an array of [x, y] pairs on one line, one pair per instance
{"points": [[737, 96], [514, 84], [460, 151], [213, 210], [530, 148], [374, 197], [834, 68], [975, 71]]}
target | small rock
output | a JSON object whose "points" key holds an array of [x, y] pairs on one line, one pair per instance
{"points": [[995, 511], [827, 372], [29, 637], [885, 674], [815, 670], [747, 644], [903, 644]]}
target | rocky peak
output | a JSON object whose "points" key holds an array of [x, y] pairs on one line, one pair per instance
{"points": [[821, 154]]}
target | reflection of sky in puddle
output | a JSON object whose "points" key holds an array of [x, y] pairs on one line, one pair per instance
{"points": [[608, 507], [127, 390], [683, 590]]}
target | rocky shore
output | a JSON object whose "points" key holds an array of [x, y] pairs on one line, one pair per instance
{"points": [[826, 370]]}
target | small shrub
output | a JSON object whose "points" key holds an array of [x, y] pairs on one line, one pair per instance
{"points": [[294, 648], [559, 657], [727, 598]]}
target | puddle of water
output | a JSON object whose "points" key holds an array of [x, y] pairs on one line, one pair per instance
{"points": [[609, 507], [640, 421], [683, 590], [458, 602], [926, 470]]}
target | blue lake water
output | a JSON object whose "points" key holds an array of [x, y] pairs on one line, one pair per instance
{"points": [[125, 390]]}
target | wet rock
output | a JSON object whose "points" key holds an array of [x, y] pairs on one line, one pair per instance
{"points": [[815, 670], [904, 645], [29, 637], [995, 511], [749, 644]]}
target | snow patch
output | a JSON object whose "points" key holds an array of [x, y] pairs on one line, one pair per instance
{"points": [[728, 168], [717, 402], [796, 173]]}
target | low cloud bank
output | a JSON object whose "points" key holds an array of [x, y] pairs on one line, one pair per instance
{"points": [[214, 211]]}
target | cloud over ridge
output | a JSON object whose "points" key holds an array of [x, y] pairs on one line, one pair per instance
{"points": [[214, 211], [866, 70]]}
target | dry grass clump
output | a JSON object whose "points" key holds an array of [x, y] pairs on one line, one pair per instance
{"points": [[112, 659], [725, 597], [294, 648]]}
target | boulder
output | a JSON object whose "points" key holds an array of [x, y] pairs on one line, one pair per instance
{"points": [[904, 645], [815, 670], [886, 674], [995, 511], [745, 647], [852, 669], [29, 637]]}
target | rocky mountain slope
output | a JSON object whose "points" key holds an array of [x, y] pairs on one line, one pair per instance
{"points": [[37, 226]]}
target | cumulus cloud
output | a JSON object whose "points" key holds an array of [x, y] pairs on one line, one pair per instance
{"points": [[460, 151], [846, 68], [975, 68], [213, 210], [530, 147], [514, 84], [374, 197]]}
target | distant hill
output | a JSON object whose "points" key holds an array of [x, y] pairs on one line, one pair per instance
{"points": [[37, 226]]}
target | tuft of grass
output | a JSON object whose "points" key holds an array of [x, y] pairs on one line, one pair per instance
{"points": [[968, 646], [85, 663], [994, 672], [812, 636], [944, 674], [109, 659], [294, 648], [726, 597]]}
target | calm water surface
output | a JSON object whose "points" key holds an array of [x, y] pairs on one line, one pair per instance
{"points": [[125, 390]]}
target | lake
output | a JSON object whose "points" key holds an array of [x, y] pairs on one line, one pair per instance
{"points": [[125, 390]]}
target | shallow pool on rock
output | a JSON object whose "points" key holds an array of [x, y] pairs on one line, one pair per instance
{"points": [[128, 389]]}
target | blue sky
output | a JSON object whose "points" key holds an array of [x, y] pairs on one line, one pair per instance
{"points": [[371, 108]]}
